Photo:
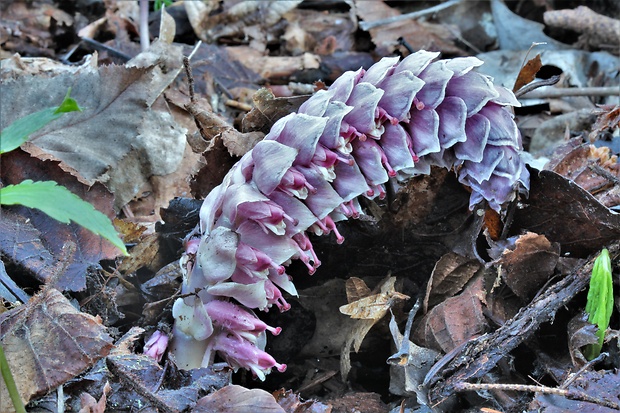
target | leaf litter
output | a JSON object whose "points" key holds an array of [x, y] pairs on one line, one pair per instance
{"points": [[489, 292]]}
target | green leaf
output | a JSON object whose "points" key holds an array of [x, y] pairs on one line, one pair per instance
{"points": [[600, 302], [10, 383], [61, 204], [18, 132]]}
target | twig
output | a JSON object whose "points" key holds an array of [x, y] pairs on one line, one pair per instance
{"points": [[412, 15], [573, 91], [144, 25], [589, 364], [535, 85], [569, 394], [100, 46]]}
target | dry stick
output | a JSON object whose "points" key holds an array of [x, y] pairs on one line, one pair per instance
{"points": [[569, 394], [573, 91], [407, 16], [480, 355], [535, 85]]}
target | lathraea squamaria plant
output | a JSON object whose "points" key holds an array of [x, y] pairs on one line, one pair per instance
{"points": [[394, 120]]}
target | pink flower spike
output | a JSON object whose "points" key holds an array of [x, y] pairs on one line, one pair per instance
{"points": [[329, 223], [156, 345], [235, 319], [239, 352], [255, 260], [274, 296]]}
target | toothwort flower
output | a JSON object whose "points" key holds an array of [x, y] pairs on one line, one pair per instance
{"points": [[394, 120]]}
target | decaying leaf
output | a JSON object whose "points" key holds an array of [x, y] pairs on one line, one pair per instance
{"points": [[601, 385], [532, 262], [47, 342], [595, 169], [580, 334], [455, 320], [583, 226], [90, 405], [292, 403], [450, 274], [419, 34], [237, 399], [232, 21]]}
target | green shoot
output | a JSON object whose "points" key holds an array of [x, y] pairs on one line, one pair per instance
{"points": [[10, 383], [600, 301], [18, 132]]}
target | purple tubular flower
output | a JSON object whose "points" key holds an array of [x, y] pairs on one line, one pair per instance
{"points": [[394, 120], [156, 345]]}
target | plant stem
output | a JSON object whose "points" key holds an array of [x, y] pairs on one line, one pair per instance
{"points": [[10, 383]]}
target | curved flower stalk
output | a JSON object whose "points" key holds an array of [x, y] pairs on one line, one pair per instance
{"points": [[394, 120]]}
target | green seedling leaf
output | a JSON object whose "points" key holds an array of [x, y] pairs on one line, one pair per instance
{"points": [[63, 205], [18, 132], [600, 301]]}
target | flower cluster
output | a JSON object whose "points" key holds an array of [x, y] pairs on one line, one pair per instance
{"points": [[394, 120]]}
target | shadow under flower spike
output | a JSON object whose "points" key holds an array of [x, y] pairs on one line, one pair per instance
{"points": [[394, 120]]}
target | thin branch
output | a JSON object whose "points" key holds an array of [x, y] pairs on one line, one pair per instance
{"points": [[569, 394], [573, 91], [413, 15]]}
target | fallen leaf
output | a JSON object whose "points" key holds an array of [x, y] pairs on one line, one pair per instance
{"points": [[530, 265], [237, 399], [33, 240], [90, 405], [516, 33], [292, 403], [528, 73], [407, 376], [450, 274], [48, 342], [368, 310], [580, 334], [584, 226], [418, 34], [455, 320]]}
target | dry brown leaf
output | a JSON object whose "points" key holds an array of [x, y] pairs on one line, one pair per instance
{"points": [[238, 399], [356, 289], [90, 405], [528, 73], [292, 403], [455, 320], [532, 262], [48, 342], [419, 35], [234, 20], [450, 274]]}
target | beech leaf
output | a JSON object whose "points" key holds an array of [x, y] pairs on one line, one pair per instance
{"points": [[61, 204]]}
